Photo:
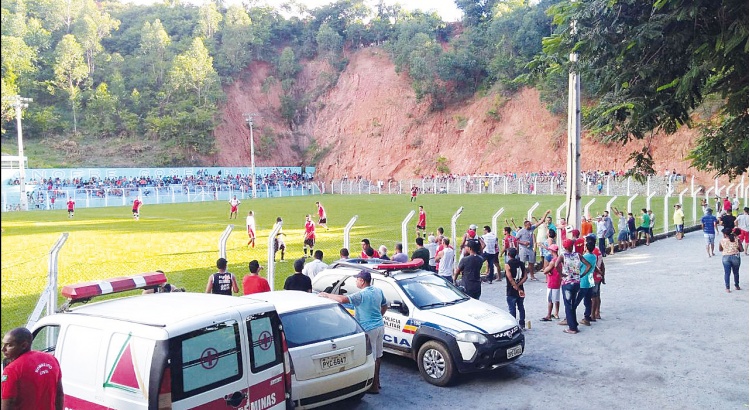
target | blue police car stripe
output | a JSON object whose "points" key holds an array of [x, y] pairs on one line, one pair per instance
{"points": [[464, 322]]}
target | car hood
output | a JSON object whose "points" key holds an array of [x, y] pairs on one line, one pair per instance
{"points": [[473, 315]]}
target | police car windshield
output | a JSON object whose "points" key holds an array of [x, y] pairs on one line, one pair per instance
{"points": [[431, 291]]}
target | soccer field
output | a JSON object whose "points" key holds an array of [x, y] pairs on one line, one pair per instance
{"points": [[182, 239]]}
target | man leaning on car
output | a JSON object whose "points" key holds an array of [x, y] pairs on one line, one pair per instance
{"points": [[369, 307]]}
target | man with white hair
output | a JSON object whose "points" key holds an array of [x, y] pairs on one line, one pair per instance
{"points": [[432, 246]]}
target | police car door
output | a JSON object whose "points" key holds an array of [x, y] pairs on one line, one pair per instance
{"points": [[399, 330]]}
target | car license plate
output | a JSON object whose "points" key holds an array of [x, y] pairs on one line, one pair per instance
{"points": [[515, 351], [333, 361]]}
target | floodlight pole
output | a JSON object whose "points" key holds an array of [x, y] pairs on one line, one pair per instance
{"points": [[19, 103], [574, 141], [249, 119]]}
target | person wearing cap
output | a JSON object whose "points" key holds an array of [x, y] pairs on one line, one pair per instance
{"points": [[369, 307], [298, 281], [709, 223], [679, 221], [222, 282], [469, 267], [469, 237], [572, 265], [526, 245], [554, 281], [254, 283]]}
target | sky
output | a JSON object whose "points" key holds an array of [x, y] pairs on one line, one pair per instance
{"points": [[445, 8]]}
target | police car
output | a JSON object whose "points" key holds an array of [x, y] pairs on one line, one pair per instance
{"points": [[432, 321]]}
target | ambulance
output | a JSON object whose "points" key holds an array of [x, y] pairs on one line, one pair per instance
{"points": [[166, 350]]}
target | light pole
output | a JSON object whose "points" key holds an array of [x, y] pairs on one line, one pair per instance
{"points": [[249, 119], [19, 103]]}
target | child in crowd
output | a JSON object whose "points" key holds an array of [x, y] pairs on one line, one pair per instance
{"points": [[554, 281]]}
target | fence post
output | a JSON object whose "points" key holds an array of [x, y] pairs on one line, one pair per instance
{"points": [[559, 211], [648, 200], [454, 218], [609, 204], [586, 208], [534, 181], [609, 178], [628, 190], [630, 203], [49, 294], [223, 241], [666, 210], [348, 229], [271, 260], [494, 220], [533, 207], [404, 235]]}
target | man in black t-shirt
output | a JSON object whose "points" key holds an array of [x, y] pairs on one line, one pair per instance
{"points": [[515, 273], [469, 268], [727, 220], [421, 253], [298, 281]]}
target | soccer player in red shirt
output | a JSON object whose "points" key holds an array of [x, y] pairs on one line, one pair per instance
{"points": [[71, 207], [422, 222], [414, 191], [32, 379], [137, 208], [322, 218], [309, 242]]}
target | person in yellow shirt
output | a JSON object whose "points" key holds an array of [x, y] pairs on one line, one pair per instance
{"points": [[679, 221]]}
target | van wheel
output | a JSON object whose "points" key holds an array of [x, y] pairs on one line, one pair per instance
{"points": [[436, 364]]}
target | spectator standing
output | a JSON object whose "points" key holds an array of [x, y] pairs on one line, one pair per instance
{"points": [[30, 379], [679, 221], [421, 223], [727, 220], [71, 207], [254, 283], [432, 247], [222, 282], [632, 231], [509, 241], [399, 255], [322, 217], [730, 247], [469, 268], [610, 233], [709, 223], [542, 233], [743, 222], [369, 307], [137, 208], [278, 241], [445, 260], [490, 251], [234, 205], [623, 233], [586, 226], [309, 238], [735, 204], [554, 281], [645, 226], [526, 245], [250, 224], [587, 283], [365, 247], [343, 254], [421, 253], [726, 204], [651, 223], [515, 275], [383, 251], [571, 285], [316, 266], [298, 281], [601, 234]]}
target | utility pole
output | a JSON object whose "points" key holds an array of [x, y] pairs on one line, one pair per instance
{"points": [[249, 119], [574, 141], [19, 103]]}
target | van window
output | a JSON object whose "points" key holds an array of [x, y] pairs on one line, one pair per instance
{"points": [[264, 331], [328, 322], [205, 359], [45, 339], [79, 343]]}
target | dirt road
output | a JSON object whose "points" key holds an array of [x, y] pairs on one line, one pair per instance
{"points": [[670, 338]]}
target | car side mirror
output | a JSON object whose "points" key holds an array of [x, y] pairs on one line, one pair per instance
{"points": [[399, 307]]}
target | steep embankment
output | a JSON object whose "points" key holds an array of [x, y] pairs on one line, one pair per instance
{"points": [[370, 124]]}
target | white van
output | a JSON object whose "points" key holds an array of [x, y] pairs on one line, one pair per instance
{"points": [[166, 350]]}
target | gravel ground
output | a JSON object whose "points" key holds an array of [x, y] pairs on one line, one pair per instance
{"points": [[670, 338]]}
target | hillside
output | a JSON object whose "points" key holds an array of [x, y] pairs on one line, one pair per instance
{"points": [[370, 124]]}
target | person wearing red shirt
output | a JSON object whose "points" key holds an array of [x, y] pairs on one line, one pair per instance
{"points": [[421, 222], [322, 217], [414, 191], [309, 242], [71, 207], [253, 283], [137, 208], [32, 380]]}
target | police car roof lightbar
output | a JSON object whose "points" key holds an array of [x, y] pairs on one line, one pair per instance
{"points": [[86, 290], [412, 264]]}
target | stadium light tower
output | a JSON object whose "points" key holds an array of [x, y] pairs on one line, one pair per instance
{"points": [[249, 119], [574, 141], [19, 103]]}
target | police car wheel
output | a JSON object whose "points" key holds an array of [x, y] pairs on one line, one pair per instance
{"points": [[435, 363]]}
